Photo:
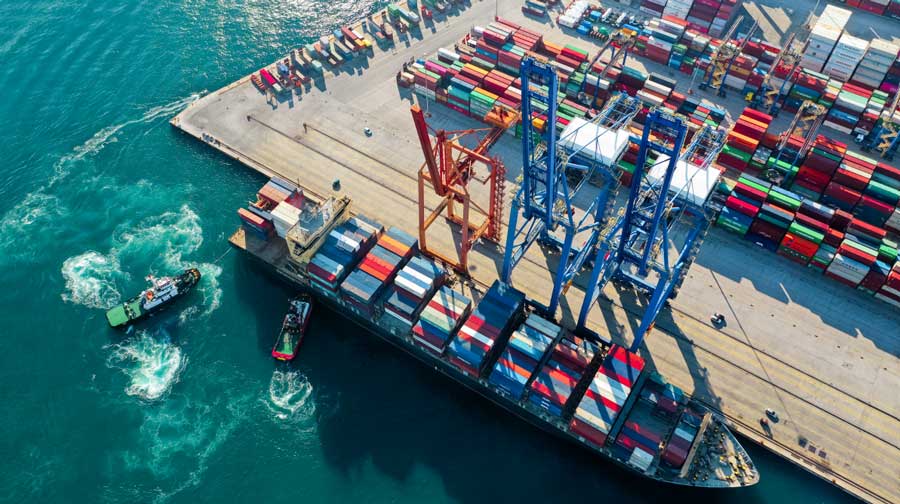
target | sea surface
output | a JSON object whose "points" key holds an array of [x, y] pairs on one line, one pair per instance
{"points": [[96, 191]]}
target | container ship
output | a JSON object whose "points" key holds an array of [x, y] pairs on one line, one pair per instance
{"points": [[492, 340]]}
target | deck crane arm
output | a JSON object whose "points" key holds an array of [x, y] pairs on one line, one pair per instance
{"points": [[619, 43], [544, 207], [805, 124]]}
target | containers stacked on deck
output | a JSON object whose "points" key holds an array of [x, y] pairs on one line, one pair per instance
{"points": [[743, 140], [679, 444], [876, 63], [488, 324], [824, 36], [553, 385], [440, 319], [258, 220], [345, 245], [414, 283], [845, 57], [641, 440], [364, 285], [606, 395], [526, 349]]}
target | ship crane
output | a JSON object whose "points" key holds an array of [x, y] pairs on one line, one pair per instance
{"points": [[724, 57], [768, 98], [449, 169], [664, 205], [805, 125], [619, 44], [552, 178], [885, 137]]}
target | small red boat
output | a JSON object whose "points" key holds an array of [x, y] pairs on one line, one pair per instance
{"points": [[293, 328]]}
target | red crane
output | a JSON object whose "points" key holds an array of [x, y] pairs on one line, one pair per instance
{"points": [[449, 168]]}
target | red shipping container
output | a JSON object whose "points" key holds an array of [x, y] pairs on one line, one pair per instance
{"points": [[811, 223], [750, 192], [833, 237], [841, 279], [767, 230], [799, 244], [843, 193], [856, 254], [588, 432], [741, 206]]}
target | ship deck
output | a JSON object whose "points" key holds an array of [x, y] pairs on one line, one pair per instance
{"points": [[790, 343]]}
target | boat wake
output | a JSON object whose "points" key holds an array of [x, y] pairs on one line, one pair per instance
{"points": [[290, 397], [91, 280], [107, 135], [152, 364], [42, 207], [158, 244]]}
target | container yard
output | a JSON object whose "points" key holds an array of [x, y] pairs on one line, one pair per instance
{"points": [[821, 351]]}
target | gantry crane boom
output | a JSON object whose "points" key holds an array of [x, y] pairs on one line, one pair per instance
{"points": [[630, 249], [448, 168]]}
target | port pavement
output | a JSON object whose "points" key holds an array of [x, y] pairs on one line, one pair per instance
{"points": [[825, 357]]}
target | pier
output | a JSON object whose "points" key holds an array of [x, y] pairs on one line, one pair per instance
{"points": [[789, 343]]}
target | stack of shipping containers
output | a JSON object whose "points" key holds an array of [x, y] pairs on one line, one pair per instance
{"points": [[413, 284], [363, 287], [606, 395], [554, 384], [486, 328], [439, 319], [824, 36], [526, 349], [345, 245]]}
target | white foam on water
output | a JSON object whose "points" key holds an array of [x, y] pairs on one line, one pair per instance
{"points": [[91, 280], [37, 208], [164, 240], [153, 365], [41, 206], [290, 397]]}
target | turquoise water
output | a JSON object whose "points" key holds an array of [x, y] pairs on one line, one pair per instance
{"points": [[96, 191]]}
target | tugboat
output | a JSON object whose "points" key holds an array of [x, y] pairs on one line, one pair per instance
{"points": [[162, 293], [293, 328]]}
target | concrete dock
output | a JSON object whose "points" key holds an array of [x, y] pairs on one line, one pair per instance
{"points": [[826, 357]]}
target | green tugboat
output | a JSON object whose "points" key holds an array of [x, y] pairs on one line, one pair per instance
{"points": [[162, 293]]}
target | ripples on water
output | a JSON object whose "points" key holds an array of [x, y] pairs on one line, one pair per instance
{"points": [[291, 398]]}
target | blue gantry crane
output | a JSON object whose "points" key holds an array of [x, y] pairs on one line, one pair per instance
{"points": [[552, 177], [674, 192]]}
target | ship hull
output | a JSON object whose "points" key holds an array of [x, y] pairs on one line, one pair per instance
{"points": [[531, 416]]}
